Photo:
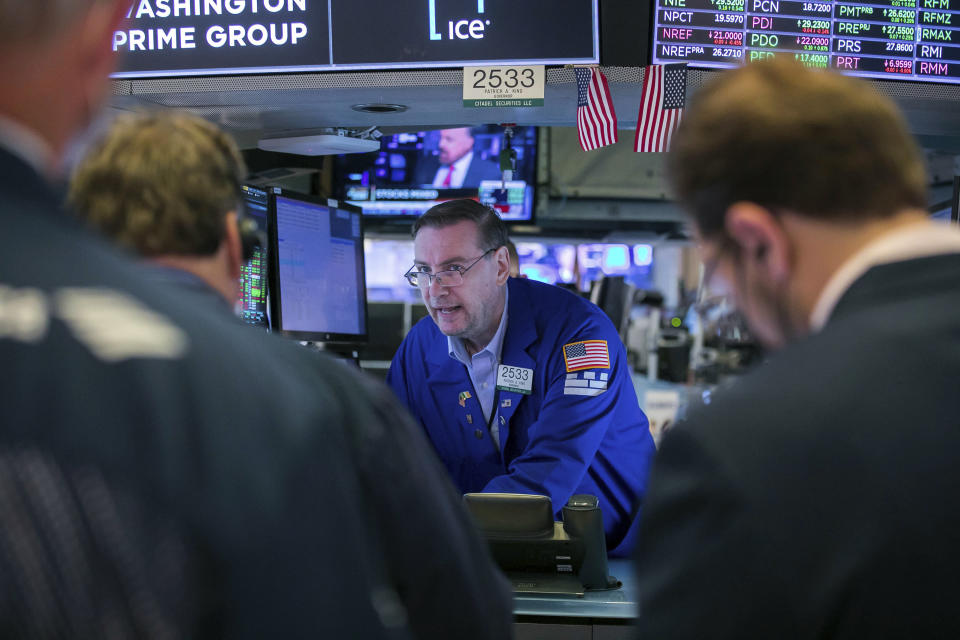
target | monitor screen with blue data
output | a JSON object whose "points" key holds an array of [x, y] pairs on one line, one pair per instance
{"points": [[252, 303], [318, 282]]}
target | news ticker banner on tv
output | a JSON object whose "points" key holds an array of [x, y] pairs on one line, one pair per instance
{"points": [[219, 37], [904, 39]]}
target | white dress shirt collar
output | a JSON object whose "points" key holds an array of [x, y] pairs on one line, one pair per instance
{"points": [[26, 145]]}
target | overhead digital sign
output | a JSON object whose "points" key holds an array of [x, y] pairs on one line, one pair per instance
{"points": [[903, 39], [207, 37]]}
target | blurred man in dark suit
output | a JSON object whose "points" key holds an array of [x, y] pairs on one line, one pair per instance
{"points": [[812, 498], [164, 471]]}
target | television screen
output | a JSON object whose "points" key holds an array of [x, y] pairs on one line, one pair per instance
{"points": [[387, 260], [635, 263], [319, 288], [252, 303], [414, 171]]}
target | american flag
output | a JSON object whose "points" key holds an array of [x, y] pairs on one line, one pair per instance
{"points": [[589, 354], [661, 106], [596, 119]]}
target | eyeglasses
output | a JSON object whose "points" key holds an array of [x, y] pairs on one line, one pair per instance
{"points": [[715, 308], [446, 278]]}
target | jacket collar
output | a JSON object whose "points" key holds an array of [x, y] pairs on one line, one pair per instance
{"points": [[917, 241], [185, 279], [26, 144], [521, 328], [899, 281], [18, 178]]}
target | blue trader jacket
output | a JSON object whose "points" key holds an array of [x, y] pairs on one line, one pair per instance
{"points": [[580, 430]]}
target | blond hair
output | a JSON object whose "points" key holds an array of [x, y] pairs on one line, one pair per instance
{"points": [[160, 184]]}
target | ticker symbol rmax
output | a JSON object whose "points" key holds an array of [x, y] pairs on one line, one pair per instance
{"points": [[464, 29]]}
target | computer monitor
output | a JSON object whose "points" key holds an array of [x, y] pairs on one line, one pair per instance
{"points": [[252, 302], [550, 262], [418, 313], [386, 330], [614, 296], [317, 283], [415, 171]]}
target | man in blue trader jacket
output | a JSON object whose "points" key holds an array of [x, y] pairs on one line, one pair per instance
{"points": [[521, 386]]}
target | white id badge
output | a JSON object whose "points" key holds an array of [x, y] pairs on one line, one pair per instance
{"points": [[516, 379]]}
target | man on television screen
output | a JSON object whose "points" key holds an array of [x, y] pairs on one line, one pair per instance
{"points": [[457, 165]]}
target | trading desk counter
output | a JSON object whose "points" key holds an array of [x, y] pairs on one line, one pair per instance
{"points": [[598, 615]]}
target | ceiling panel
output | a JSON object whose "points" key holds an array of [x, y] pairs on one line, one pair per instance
{"points": [[272, 105]]}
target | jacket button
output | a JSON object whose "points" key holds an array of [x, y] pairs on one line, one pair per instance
{"points": [[479, 434]]}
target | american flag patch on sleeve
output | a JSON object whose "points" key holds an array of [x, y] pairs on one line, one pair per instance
{"points": [[589, 354]]}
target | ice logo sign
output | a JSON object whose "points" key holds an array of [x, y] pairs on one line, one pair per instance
{"points": [[463, 29]]}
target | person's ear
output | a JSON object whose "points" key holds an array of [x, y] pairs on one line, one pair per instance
{"points": [[761, 238], [233, 244], [502, 256]]}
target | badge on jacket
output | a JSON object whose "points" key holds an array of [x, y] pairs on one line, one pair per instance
{"points": [[464, 396], [515, 379], [586, 383]]}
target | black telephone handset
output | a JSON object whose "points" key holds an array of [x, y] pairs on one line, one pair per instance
{"points": [[541, 555], [582, 519]]}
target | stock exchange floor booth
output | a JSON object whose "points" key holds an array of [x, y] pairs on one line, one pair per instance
{"points": [[564, 585]]}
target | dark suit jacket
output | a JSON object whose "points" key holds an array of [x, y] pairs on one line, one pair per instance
{"points": [[478, 171], [816, 497], [313, 506]]}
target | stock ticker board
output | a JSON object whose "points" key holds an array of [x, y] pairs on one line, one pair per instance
{"points": [[903, 39]]}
